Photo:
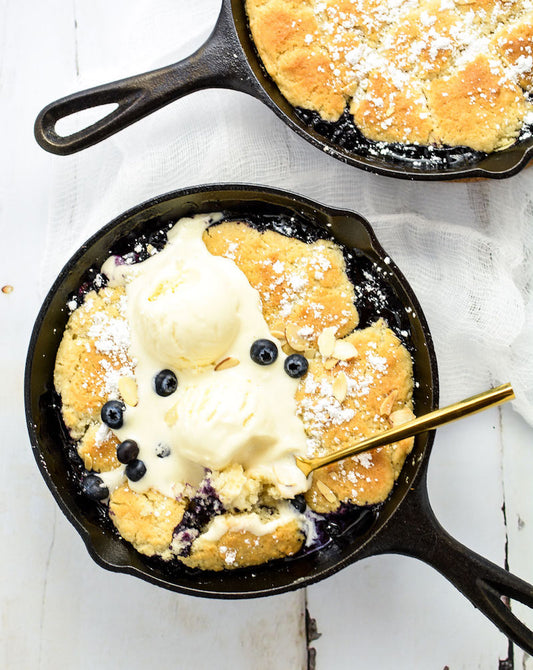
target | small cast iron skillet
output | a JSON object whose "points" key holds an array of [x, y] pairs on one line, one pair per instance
{"points": [[228, 59], [405, 524]]}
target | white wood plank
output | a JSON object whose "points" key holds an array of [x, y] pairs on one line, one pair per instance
{"points": [[517, 478], [102, 619], [34, 53]]}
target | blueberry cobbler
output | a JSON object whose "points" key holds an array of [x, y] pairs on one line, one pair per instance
{"points": [[190, 381], [414, 72]]}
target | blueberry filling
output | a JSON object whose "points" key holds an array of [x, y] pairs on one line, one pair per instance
{"points": [[127, 451], [202, 508], [296, 365], [112, 413], [349, 139], [165, 383], [263, 352], [158, 239], [135, 470], [92, 280], [333, 528], [299, 504], [345, 524], [135, 248], [94, 488]]}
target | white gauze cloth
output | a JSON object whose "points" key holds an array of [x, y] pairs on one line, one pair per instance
{"points": [[465, 248]]}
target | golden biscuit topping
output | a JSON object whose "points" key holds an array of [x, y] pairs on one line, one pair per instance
{"points": [[444, 72]]}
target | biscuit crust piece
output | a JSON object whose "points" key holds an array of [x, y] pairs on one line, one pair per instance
{"points": [[287, 36], [392, 109], [241, 548], [514, 44], [303, 287], [147, 520], [378, 382], [98, 449], [477, 105], [93, 354]]}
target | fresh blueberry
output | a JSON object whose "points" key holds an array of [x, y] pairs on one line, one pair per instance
{"points": [[127, 451], [158, 239], [333, 529], [296, 365], [94, 488], [263, 352], [165, 383], [135, 470], [298, 502], [113, 413]]}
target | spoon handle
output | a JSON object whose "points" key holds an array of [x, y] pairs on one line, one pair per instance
{"points": [[421, 424]]}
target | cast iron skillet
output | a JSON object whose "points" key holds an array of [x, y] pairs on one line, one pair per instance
{"points": [[405, 523], [228, 59]]}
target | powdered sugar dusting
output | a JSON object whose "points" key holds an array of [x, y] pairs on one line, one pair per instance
{"points": [[109, 336]]}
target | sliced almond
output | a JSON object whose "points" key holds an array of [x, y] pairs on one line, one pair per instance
{"points": [[326, 341], [287, 349], [127, 387], [340, 387], [401, 416], [386, 406], [225, 363], [350, 88], [326, 492], [344, 351], [310, 353], [295, 340], [277, 326], [171, 416], [279, 335], [330, 363]]}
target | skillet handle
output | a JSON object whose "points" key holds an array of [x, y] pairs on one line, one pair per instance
{"points": [[219, 63], [414, 531]]}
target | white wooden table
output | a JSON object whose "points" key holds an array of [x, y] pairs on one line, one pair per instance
{"points": [[60, 610]]}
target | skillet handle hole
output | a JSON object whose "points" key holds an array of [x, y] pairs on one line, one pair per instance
{"points": [[85, 118]]}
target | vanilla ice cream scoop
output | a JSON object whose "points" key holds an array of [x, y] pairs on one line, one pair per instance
{"points": [[186, 316], [231, 414]]}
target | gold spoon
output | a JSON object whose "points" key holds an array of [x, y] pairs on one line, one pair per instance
{"points": [[421, 424]]}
